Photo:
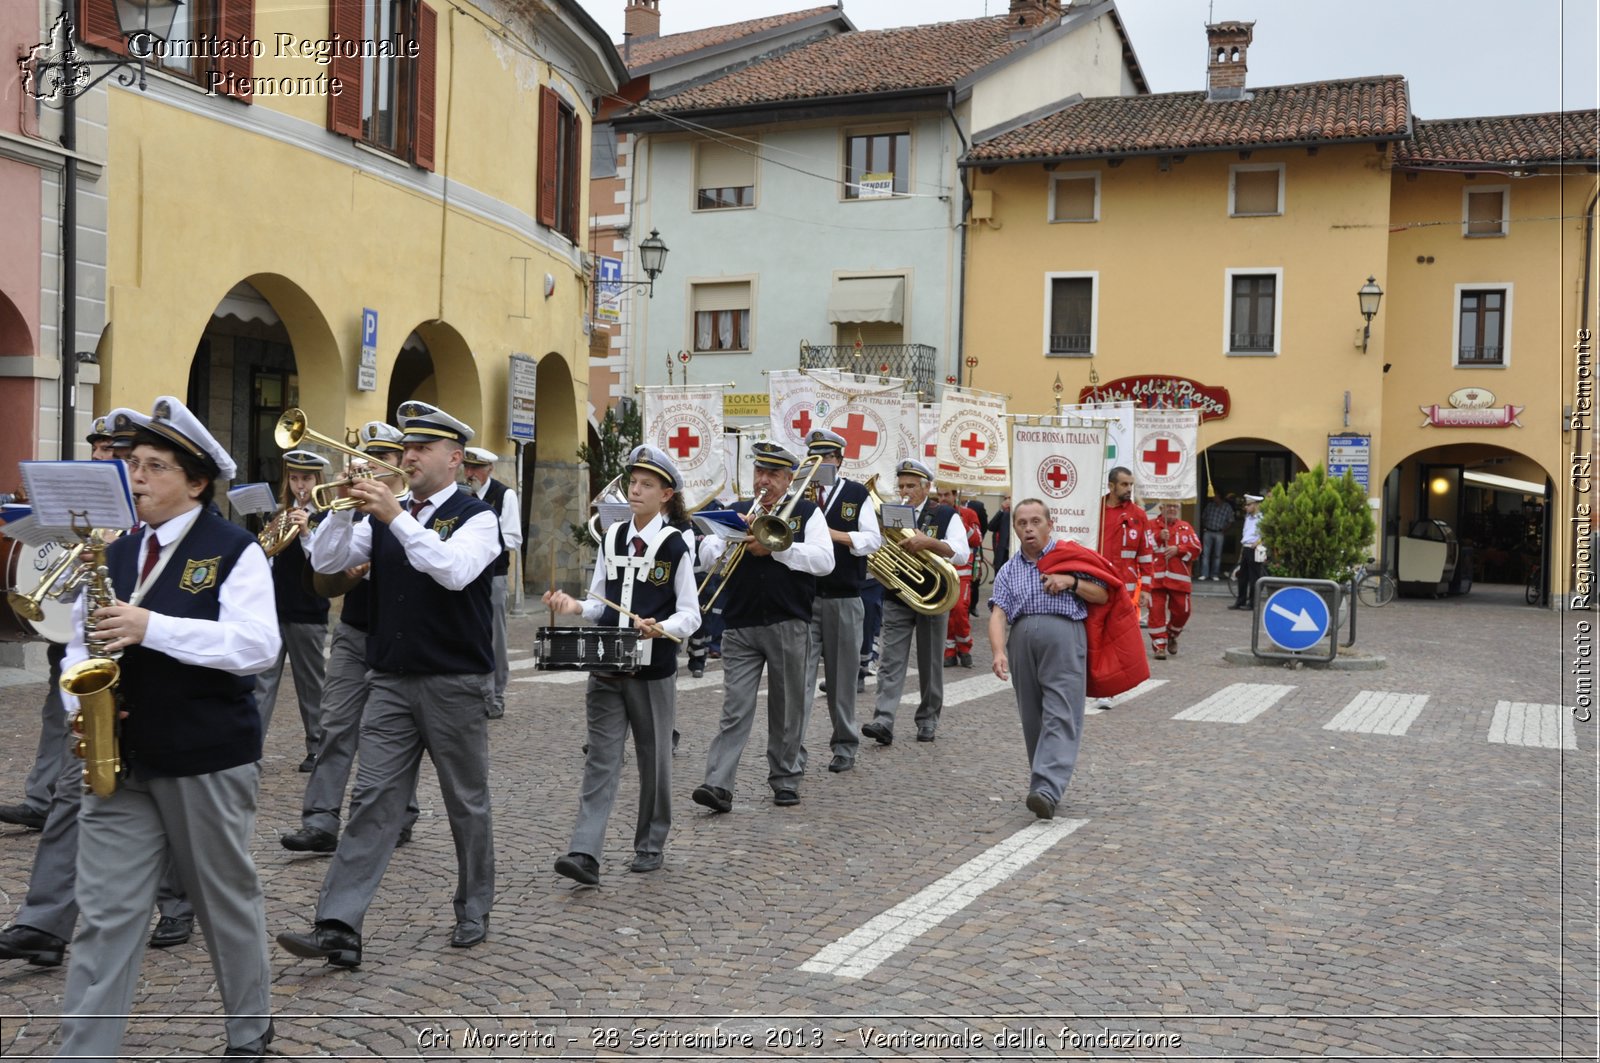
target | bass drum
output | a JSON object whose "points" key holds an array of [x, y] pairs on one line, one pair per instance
{"points": [[23, 566]]}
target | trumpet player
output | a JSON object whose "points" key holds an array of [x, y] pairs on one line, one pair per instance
{"points": [[478, 468], [302, 613], [767, 615], [187, 607]]}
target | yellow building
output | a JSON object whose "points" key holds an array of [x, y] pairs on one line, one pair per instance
{"points": [[298, 172], [1221, 237]]}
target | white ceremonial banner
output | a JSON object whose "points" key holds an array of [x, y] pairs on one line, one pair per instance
{"points": [[908, 437], [1065, 468], [1165, 443], [972, 439], [794, 408], [745, 461], [867, 414], [738, 474], [1118, 419], [686, 423], [928, 433]]}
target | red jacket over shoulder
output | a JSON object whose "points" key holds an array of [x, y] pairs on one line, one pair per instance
{"points": [[1116, 652]]}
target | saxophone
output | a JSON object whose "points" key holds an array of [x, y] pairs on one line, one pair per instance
{"points": [[93, 682]]}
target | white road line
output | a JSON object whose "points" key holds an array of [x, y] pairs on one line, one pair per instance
{"points": [[552, 677], [1236, 703], [1095, 706], [1378, 712], [1521, 723], [859, 952], [979, 686]]}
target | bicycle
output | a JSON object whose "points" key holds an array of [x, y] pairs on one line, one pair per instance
{"points": [[1373, 588], [1535, 586]]}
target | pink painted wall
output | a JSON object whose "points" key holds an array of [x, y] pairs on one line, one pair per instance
{"points": [[19, 252]]}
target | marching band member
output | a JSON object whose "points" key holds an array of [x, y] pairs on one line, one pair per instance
{"points": [[645, 566], [344, 695], [837, 613], [478, 467], [432, 665], [302, 613], [767, 612], [958, 634], [940, 530], [193, 620], [1176, 547]]}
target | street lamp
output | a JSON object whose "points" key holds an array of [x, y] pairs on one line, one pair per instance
{"points": [[652, 259], [1369, 297]]}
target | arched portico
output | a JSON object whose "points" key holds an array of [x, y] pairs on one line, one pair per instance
{"points": [[555, 482]]}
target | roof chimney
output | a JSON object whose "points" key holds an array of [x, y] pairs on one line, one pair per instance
{"points": [[641, 18], [1226, 45], [1034, 12]]}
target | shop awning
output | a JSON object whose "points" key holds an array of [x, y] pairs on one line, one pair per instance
{"points": [[1503, 483], [244, 303], [867, 300]]}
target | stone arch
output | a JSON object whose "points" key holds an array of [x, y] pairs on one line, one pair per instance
{"points": [[1251, 464], [555, 482], [19, 396]]}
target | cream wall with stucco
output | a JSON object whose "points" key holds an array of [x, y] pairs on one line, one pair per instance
{"points": [[1086, 60]]}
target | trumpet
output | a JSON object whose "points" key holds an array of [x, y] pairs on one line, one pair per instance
{"points": [[768, 529], [328, 497], [56, 581], [292, 429]]}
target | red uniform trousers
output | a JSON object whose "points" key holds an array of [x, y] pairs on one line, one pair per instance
{"points": [[1169, 612], [958, 635]]}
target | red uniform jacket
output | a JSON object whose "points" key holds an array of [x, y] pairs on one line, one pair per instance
{"points": [[1125, 544], [974, 537], [1173, 573], [1116, 660]]}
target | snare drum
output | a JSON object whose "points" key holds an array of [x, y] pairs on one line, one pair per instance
{"points": [[587, 649], [21, 568]]}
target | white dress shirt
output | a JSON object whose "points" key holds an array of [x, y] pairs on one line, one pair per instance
{"points": [[510, 516], [814, 554], [342, 542], [685, 619], [955, 535], [869, 536]]}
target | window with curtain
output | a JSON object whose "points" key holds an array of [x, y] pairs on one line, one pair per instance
{"points": [[1071, 315], [722, 316], [725, 175], [1251, 324]]}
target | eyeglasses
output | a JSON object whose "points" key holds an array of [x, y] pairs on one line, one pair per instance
{"points": [[153, 468]]}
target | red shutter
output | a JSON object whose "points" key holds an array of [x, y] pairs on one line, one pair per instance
{"points": [[97, 25], [236, 21], [344, 107], [574, 189], [549, 145], [427, 83]]}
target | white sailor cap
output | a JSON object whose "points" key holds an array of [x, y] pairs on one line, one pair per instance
{"points": [[650, 459], [378, 435], [822, 441], [913, 467], [100, 428], [123, 422], [423, 422], [171, 420], [480, 456], [304, 461], [1252, 498], [772, 456]]}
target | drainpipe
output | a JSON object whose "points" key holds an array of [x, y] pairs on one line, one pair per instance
{"points": [[69, 275], [961, 276]]}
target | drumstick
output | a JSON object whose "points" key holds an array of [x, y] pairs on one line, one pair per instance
{"points": [[631, 616], [552, 580]]}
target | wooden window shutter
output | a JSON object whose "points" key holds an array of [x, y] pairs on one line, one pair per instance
{"points": [[236, 21], [427, 84], [1075, 199], [1485, 214], [549, 145], [1255, 192], [574, 189], [344, 108], [97, 25]]}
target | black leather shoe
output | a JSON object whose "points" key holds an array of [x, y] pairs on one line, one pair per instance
{"points": [[171, 930], [405, 836], [254, 1050], [966, 660], [22, 816], [327, 941], [924, 734], [35, 946], [786, 797], [580, 868], [713, 797], [841, 763], [309, 840], [646, 862], [469, 932], [495, 712], [309, 763], [697, 670], [951, 662], [878, 732], [861, 686], [1041, 806]]}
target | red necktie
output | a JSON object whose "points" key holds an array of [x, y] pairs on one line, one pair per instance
{"points": [[416, 507], [638, 546], [152, 552]]}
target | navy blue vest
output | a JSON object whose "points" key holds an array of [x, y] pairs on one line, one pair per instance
{"points": [[764, 590], [654, 596], [494, 496], [357, 608], [849, 571], [184, 719], [416, 625], [291, 587]]}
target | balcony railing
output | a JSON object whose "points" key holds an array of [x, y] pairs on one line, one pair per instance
{"points": [[1481, 355], [1069, 343], [1250, 342], [916, 362]]}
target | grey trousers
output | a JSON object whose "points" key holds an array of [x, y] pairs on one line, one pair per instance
{"points": [[303, 645], [405, 715], [1047, 655], [51, 903], [900, 624], [781, 648], [53, 749], [836, 641], [502, 670], [616, 705], [203, 824]]}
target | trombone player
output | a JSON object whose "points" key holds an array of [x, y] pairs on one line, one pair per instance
{"points": [[766, 600]]}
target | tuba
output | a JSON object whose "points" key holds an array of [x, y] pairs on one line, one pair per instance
{"points": [[93, 682], [926, 582]]}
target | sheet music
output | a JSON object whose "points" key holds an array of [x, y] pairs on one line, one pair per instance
{"points": [[826, 476], [611, 512], [89, 493], [252, 498], [892, 515], [723, 523], [28, 530]]}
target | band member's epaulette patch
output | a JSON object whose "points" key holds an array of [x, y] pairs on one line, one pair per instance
{"points": [[200, 575], [445, 528], [848, 510], [794, 524], [661, 574]]}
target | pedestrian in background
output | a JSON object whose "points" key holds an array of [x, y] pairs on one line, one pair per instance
{"points": [[1251, 554], [1215, 519]]}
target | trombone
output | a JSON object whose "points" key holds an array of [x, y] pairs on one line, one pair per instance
{"points": [[291, 430], [768, 529]]}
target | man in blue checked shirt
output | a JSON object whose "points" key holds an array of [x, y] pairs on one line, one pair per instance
{"points": [[1047, 645]]}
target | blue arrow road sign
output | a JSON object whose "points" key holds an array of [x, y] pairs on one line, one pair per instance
{"points": [[1296, 618]]}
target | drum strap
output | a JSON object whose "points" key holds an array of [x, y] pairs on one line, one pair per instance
{"points": [[619, 558]]}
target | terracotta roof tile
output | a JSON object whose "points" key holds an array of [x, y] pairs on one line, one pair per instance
{"points": [[858, 64], [1315, 112], [1504, 139], [651, 50]]}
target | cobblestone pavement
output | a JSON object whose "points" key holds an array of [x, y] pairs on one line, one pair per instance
{"points": [[1420, 882]]}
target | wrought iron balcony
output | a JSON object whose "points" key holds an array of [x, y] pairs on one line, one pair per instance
{"points": [[916, 362], [1251, 342], [1069, 343]]}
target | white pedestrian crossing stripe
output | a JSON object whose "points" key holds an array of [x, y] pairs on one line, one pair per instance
{"points": [[1236, 703], [1522, 723], [1095, 706], [1378, 712]]}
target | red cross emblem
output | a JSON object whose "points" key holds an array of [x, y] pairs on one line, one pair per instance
{"points": [[802, 424], [856, 435], [973, 445], [1057, 476], [683, 442], [1161, 457]]}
